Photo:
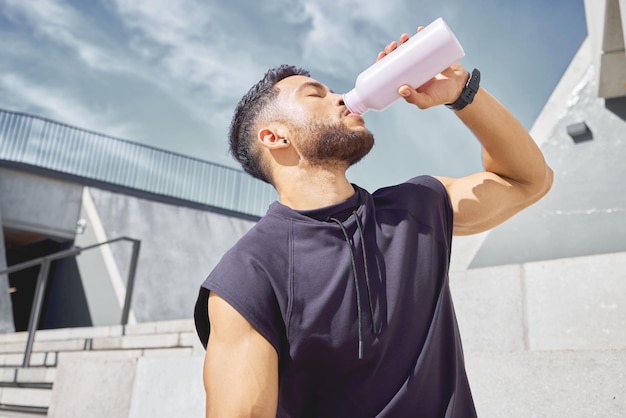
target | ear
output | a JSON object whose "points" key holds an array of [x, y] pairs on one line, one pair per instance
{"points": [[271, 139]]}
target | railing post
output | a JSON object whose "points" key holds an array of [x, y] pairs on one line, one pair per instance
{"points": [[35, 312], [130, 282]]}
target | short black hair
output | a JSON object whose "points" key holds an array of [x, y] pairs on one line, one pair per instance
{"points": [[242, 133]]}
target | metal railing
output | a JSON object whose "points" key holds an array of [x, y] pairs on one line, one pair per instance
{"points": [[42, 281]]}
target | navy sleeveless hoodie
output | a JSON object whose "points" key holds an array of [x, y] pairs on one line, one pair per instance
{"points": [[355, 299]]}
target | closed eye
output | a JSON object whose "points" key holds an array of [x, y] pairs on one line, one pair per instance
{"points": [[313, 89]]}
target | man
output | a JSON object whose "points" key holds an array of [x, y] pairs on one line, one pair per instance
{"points": [[336, 303]]}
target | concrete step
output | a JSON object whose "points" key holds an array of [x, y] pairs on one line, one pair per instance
{"points": [[148, 328], [127, 354], [27, 392], [15, 411], [15, 414], [161, 327], [167, 334], [106, 343], [45, 359], [136, 341], [184, 344], [25, 397], [43, 346], [62, 334], [33, 376]]}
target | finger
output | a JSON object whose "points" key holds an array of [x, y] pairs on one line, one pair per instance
{"points": [[404, 38], [391, 47], [405, 91], [381, 55], [410, 95], [420, 28]]}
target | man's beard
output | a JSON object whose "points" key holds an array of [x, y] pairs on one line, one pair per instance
{"points": [[324, 143]]}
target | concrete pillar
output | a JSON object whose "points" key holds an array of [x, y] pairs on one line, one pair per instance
{"points": [[6, 309]]}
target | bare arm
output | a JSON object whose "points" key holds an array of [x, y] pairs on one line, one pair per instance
{"points": [[240, 367], [516, 174]]}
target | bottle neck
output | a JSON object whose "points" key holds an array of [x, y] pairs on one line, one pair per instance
{"points": [[354, 103]]}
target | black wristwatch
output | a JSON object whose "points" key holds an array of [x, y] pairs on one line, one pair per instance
{"points": [[468, 93]]}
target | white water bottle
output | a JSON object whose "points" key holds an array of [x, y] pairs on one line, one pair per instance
{"points": [[413, 63]]}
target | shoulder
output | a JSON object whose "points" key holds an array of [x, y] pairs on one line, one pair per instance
{"points": [[423, 199], [429, 182], [422, 191]]}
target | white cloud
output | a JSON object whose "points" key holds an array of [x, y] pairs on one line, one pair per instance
{"points": [[190, 56], [290, 11], [166, 22], [61, 24], [342, 35], [342, 12], [181, 38], [346, 35], [60, 105], [183, 48], [174, 46]]}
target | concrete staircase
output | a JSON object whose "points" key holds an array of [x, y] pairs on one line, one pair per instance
{"points": [[28, 392]]}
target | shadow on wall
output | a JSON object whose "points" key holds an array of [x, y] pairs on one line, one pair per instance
{"points": [[617, 106]]}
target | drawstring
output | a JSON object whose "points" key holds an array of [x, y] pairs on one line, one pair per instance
{"points": [[367, 276], [356, 280]]}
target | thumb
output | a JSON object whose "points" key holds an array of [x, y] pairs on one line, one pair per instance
{"points": [[410, 95]]}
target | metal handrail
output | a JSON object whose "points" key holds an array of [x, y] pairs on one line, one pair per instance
{"points": [[42, 280]]}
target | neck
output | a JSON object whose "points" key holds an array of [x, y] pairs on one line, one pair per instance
{"points": [[312, 188]]}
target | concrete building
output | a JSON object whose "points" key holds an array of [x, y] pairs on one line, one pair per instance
{"points": [[541, 300], [62, 186]]}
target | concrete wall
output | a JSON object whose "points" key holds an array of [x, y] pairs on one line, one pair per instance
{"points": [[546, 339], [33, 204], [179, 247], [39, 204], [105, 290], [585, 212]]}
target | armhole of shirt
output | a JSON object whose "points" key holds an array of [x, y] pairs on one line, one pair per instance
{"points": [[239, 307]]}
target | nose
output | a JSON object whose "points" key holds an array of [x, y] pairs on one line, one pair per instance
{"points": [[339, 100]]}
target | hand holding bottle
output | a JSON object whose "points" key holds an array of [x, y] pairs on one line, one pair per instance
{"points": [[424, 62], [444, 88]]}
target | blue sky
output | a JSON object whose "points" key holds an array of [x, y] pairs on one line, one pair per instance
{"points": [[168, 73]]}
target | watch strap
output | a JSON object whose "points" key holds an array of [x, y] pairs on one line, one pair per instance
{"points": [[468, 93]]}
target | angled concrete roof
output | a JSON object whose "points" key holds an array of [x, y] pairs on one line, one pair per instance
{"points": [[585, 212]]}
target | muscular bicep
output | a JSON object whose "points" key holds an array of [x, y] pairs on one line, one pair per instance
{"points": [[240, 368], [484, 200]]}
